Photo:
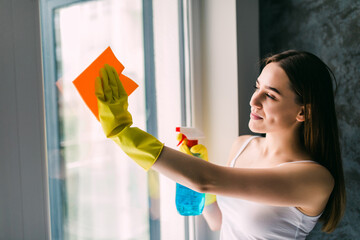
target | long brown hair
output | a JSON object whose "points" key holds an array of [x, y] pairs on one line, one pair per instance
{"points": [[311, 80]]}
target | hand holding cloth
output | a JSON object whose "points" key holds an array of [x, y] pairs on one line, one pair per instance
{"points": [[116, 120]]}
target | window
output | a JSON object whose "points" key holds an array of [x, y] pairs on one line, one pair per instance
{"points": [[95, 191]]}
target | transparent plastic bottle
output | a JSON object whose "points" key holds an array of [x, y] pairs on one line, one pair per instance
{"points": [[189, 202]]}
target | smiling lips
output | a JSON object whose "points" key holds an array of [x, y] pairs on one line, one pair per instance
{"points": [[255, 117]]}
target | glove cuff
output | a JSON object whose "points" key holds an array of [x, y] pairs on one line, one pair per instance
{"points": [[209, 199], [140, 146]]}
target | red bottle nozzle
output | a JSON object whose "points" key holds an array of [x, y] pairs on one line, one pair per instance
{"points": [[183, 137], [192, 137]]}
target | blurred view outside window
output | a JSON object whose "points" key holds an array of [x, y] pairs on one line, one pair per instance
{"points": [[104, 194]]}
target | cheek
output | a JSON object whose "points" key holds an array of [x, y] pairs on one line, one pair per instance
{"points": [[284, 113]]}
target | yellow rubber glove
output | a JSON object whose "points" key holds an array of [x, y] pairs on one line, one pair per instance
{"points": [[115, 120], [200, 151]]}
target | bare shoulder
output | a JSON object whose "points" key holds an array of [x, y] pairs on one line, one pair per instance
{"points": [[238, 142], [310, 168], [314, 182], [242, 138], [312, 174], [324, 177]]}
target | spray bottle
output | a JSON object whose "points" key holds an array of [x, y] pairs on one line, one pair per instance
{"points": [[188, 201]]}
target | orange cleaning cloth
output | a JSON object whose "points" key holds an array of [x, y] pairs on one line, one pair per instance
{"points": [[85, 82]]}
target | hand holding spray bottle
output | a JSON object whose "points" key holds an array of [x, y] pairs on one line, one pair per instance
{"points": [[188, 201]]}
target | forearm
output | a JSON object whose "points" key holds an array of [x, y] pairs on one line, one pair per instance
{"points": [[185, 169]]}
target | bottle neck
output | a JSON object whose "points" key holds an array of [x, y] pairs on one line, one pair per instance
{"points": [[191, 143]]}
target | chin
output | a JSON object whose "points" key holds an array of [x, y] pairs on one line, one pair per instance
{"points": [[254, 128]]}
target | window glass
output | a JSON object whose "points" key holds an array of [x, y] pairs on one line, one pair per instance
{"points": [[105, 193], [167, 70], [96, 192]]}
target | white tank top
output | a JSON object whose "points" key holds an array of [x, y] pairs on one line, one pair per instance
{"points": [[243, 219]]}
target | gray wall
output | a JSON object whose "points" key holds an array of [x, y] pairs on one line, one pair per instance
{"points": [[331, 30]]}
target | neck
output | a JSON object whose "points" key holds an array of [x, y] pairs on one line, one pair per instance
{"points": [[284, 144]]}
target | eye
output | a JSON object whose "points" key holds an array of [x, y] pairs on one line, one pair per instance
{"points": [[266, 94], [270, 96]]}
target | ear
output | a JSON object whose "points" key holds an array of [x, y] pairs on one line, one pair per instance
{"points": [[301, 115]]}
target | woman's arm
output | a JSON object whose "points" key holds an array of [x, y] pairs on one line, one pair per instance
{"points": [[213, 216], [302, 185]]}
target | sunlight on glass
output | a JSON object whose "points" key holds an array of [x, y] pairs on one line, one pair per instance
{"points": [[106, 193], [166, 45]]}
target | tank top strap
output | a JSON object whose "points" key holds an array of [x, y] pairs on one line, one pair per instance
{"points": [[232, 163], [302, 161]]}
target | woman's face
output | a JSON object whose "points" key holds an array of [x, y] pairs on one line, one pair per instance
{"points": [[273, 106]]}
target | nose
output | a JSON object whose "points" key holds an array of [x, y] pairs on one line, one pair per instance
{"points": [[255, 100]]}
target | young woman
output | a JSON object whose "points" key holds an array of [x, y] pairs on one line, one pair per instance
{"points": [[274, 187]]}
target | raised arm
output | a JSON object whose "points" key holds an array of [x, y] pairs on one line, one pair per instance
{"points": [[303, 185]]}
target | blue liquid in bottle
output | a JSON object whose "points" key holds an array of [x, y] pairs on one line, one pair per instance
{"points": [[189, 202]]}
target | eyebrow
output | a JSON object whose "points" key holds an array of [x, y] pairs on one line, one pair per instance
{"points": [[271, 88]]}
